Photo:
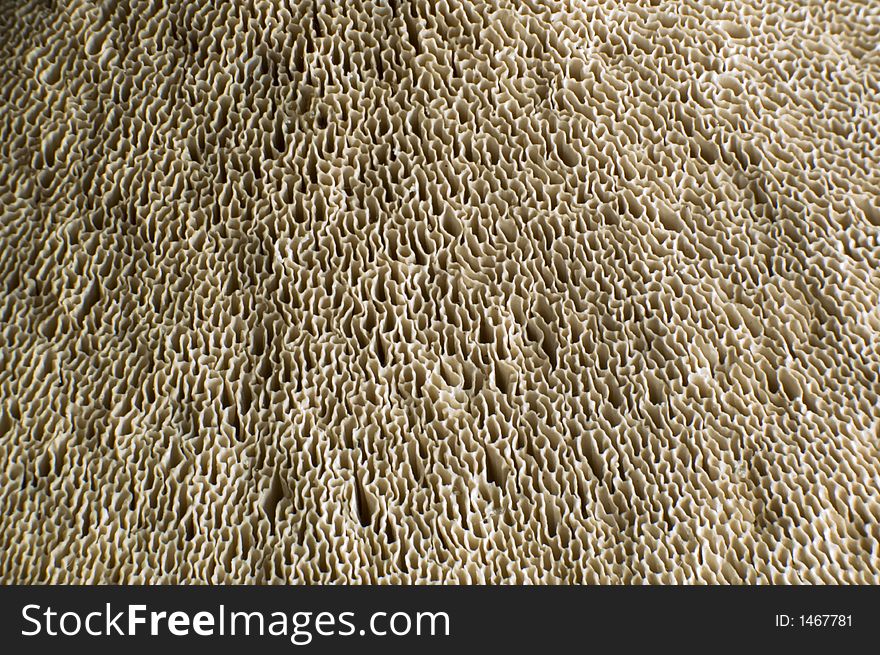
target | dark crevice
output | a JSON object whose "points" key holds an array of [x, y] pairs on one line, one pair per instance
{"points": [[363, 506]]}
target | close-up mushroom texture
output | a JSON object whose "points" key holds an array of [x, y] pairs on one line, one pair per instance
{"points": [[439, 291]]}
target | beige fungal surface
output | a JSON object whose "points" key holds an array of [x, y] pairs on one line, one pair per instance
{"points": [[409, 291]]}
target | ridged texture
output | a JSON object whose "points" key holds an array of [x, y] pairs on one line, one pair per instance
{"points": [[521, 291]]}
